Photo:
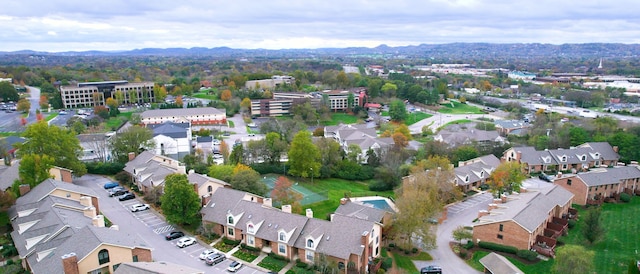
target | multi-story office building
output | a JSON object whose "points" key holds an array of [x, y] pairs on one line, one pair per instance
{"points": [[90, 94]]}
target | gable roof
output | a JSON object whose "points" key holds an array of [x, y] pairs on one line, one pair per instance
{"points": [[8, 174], [476, 169], [200, 179], [340, 237], [591, 151], [179, 112], [511, 124], [47, 186], [97, 137], [606, 176], [361, 211], [155, 268], [529, 209], [498, 264], [148, 170], [170, 129]]}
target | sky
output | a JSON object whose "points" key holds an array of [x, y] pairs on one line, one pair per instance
{"points": [[80, 25]]}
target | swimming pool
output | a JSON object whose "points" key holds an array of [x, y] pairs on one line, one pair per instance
{"points": [[379, 204]]}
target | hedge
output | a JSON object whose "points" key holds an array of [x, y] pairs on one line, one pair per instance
{"points": [[527, 254], [498, 247], [230, 242], [468, 245], [625, 197], [250, 248], [387, 263], [104, 168]]}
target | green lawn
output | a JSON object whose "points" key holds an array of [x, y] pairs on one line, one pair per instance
{"points": [[384, 113], [272, 264], [404, 262], [621, 243], [6, 134], [50, 116], [459, 108], [335, 189], [337, 118], [231, 124], [540, 267], [415, 117], [245, 255], [457, 122], [204, 95]]}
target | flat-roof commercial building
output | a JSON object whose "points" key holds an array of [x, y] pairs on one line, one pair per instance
{"points": [[90, 94]]}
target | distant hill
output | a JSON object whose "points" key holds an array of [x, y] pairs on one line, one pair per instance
{"points": [[453, 50]]}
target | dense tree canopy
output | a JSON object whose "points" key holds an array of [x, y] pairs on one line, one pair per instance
{"points": [[8, 92], [180, 202], [55, 142], [304, 156], [133, 139]]}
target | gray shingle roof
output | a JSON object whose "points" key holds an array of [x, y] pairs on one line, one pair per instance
{"points": [[170, 129], [476, 169], [498, 264], [607, 176], [591, 152], [361, 211], [530, 209], [8, 174], [201, 179], [341, 237], [180, 112], [139, 161], [84, 138], [148, 169], [43, 189], [155, 268]]}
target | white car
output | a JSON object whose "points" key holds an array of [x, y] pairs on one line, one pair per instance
{"points": [[139, 207], [234, 266], [207, 253], [186, 241]]}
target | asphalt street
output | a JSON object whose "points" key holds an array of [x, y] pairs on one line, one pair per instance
{"points": [[150, 226]]}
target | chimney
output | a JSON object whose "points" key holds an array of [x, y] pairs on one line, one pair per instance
{"points": [[89, 212], [286, 208], [191, 171], [519, 155], [132, 155], [24, 189], [523, 190], [344, 201], [492, 206], [267, 202], [98, 221], [503, 198], [482, 212], [85, 201], [70, 263], [309, 213], [114, 227], [182, 169], [615, 149], [559, 175], [497, 201]]}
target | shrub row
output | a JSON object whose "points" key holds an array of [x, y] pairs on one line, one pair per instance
{"points": [[278, 257], [468, 245], [527, 255], [228, 241], [625, 197], [110, 168], [250, 248], [498, 247]]}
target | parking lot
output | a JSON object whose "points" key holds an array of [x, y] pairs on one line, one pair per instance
{"points": [[471, 202], [163, 250]]}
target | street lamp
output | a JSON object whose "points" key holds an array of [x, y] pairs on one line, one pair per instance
{"points": [[311, 175]]}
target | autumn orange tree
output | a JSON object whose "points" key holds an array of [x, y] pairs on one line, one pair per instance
{"points": [[284, 194], [179, 101], [225, 95], [44, 102], [508, 177]]}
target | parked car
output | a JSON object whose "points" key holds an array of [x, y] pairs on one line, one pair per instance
{"points": [[110, 185], [545, 177], [118, 192], [233, 267], [215, 259], [186, 241], [431, 269], [174, 235], [115, 189], [127, 196], [139, 207], [206, 253]]}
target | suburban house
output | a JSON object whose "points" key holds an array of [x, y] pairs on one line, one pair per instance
{"points": [[155, 268], [582, 157], [57, 229], [172, 139], [205, 186], [359, 135], [8, 174], [194, 116], [95, 147], [473, 173], [466, 134], [367, 212], [149, 170], [526, 220], [9, 145], [349, 241], [509, 127], [595, 186]]}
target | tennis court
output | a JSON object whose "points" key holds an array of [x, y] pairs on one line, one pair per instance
{"points": [[308, 196]]}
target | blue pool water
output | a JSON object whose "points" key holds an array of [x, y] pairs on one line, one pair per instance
{"points": [[379, 204]]}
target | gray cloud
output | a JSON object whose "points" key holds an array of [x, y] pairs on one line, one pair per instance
{"points": [[120, 24]]}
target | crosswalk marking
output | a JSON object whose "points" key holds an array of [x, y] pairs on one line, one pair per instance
{"points": [[164, 229]]}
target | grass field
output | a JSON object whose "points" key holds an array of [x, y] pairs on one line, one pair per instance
{"points": [[204, 95], [415, 117], [459, 108], [621, 244], [337, 118], [336, 189]]}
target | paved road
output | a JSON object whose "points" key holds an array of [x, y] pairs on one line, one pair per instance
{"points": [[34, 99], [151, 227]]}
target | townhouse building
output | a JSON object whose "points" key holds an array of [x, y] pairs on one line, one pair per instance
{"points": [[193, 116], [595, 186], [149, 170], [359, 135], [473, 173], [172, 139]]}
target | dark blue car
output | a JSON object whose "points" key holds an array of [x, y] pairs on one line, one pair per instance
{"points": [[110, 185]]}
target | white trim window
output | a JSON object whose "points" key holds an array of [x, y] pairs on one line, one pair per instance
{"points": [[251, 241], [282, 249], [309, 256]]}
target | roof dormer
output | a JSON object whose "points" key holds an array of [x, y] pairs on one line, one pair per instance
{"points": [[311, 243], [232, 220], [284, 236], [253, 228], [563, 158]]}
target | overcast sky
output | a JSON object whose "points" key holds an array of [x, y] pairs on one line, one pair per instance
{"points": [[66, 25]]}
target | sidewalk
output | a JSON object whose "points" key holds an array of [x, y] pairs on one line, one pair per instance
{"points": [[253, 264]]}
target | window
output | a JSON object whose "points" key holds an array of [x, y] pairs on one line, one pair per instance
{"points": [[501, 227], [569, 182], [309, 256], [605, 187], [282, 237], [250, 228], [584, 157], [209, 189], [230, 231], [115, 267], [310, 243], [341, 265], [230, 220], [564, 166], [135, 258], [250, 240], [282, 249], [103, 256], [500, 236], [564, 158]]}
